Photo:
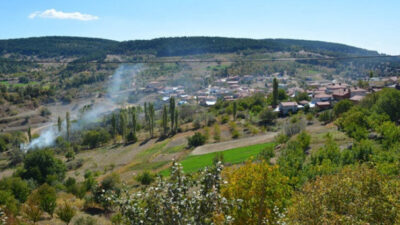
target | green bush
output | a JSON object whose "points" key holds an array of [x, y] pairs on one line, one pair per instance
{"points": [[196, 140], [145, 178]]}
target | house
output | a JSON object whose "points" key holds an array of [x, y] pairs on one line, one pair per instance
{"points": [[334, 87], [322, 98], [323, 105], [357, 91], [341, 94], [286, 107], [357, 98]]}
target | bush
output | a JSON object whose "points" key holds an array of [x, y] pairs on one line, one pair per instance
{"points": [[47, 198], [267, 117], [196, 140], [45, 112], [224, 119], [145, 178], [266, 154], [281, 138], [66, 212], [304, 140], [18, 187], [294, 126], [325, 116]]}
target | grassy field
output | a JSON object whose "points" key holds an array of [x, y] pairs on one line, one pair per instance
{"points": [[235, 155]]}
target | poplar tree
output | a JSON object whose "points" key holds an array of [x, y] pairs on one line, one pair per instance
{"points": [[151, 118], [122, 124], [68, 125], [165, 120], [176, 120], [275, 93], [59, 124], [134, 120], [172, 112]]}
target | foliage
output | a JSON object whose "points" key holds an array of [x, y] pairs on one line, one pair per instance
{"points": [[342, 107], [95, 138], [42, 166], [304, 140], [260, 190], [267, 153], [388, 102], [326, 116], [196, 140], [354, 196], [31, 209], [8, 201], [217, 132], [293, 126], [18, 187]]}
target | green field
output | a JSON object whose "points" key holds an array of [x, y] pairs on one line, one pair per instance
{"points": [[194, 163]]}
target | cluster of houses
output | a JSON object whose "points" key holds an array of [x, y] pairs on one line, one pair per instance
{"points": [[322, 94]]}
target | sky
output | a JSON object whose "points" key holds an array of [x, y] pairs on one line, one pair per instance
{"points": [[369, 24]]}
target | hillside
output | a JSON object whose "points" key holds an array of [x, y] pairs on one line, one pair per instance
{"points": [[175, 46]]}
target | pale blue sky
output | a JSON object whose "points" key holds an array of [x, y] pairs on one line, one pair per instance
{"points": [[371, 24]]}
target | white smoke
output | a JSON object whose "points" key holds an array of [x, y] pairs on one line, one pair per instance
{"points": [[48, 136]]}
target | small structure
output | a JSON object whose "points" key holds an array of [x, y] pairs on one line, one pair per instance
{"points": [[341, 94], [286, 107]]}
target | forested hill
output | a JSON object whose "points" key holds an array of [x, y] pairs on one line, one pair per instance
{"points": [[58, 46]]}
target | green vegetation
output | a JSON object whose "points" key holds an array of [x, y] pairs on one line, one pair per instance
{"points": [[194, 163]]}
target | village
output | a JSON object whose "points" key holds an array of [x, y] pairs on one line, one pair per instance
{"points": [[321, 94]]}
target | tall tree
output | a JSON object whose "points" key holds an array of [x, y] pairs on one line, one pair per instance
{"points": [[134, 119], [172, 112], [59, 124], [68, 125], [151, 118], [146, 115], [29, 134], [165, 120], [275, 93]]}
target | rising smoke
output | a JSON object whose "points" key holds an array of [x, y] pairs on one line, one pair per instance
{"points": [[48, 136]]}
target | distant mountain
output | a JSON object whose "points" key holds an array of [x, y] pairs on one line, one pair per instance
{"points": [[59, 46]]}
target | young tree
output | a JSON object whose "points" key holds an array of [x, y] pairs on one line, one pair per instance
{"points": [[165, 120], [68, 125], [134, 120], [151, 119], [31, 209], [122, 124], [47, 198], [275, 93], [59, 124], [217, 132], [176, 120]]}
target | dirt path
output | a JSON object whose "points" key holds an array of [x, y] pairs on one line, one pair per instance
{"points": [[221, 146]]}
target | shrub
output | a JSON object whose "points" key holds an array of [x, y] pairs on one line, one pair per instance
{"points": [[145, 178], [281, 138], [294, 126], [196, 140], [18, 187], [47, 198], [224, 119], [45, 112], [267, 117], [94, 138], [266, 154], [66, 212]]}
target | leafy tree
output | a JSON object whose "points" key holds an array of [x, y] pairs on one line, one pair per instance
{"points": [[266, 154], [113, 125], [263, 192], [94, 138], [302, 96], [66, 212], [41, 165], [326, 116], [196, 140], [8, 201], [31, 209], [29, 134], [389, 102], [390, 134]]}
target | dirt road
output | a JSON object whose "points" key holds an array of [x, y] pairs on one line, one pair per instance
{"points": [[221, 146]]}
